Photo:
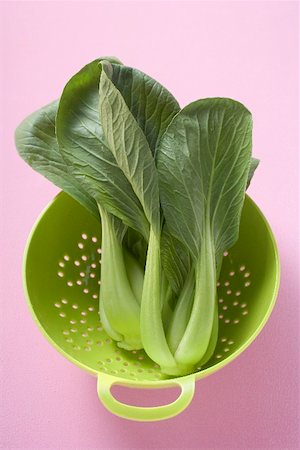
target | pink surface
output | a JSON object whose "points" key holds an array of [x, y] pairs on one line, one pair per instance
{"points": [[243, 50]]}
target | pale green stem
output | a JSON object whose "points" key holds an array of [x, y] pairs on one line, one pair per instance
{"points": [[195, 341], [118, 301], [215, 329], [135, 274], [152, 330], [182, 312], [106, 325], [213, 338]]}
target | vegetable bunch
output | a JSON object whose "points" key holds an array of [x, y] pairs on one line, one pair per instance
{"points": [[168, 185]]}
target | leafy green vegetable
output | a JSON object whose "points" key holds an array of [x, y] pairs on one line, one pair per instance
{"points": [[98, 171], [130, 147], [175, 258], [169, 185], [37, 145], [83, 147], [151, 104], [203, 162]]}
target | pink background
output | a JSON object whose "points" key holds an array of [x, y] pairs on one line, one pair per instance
{"points": [[243, 50]]}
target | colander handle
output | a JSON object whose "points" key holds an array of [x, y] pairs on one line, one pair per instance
{"points": [[141, 413]]}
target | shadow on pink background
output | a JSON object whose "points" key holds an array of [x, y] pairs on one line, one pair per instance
{"points": [[243, 50]]}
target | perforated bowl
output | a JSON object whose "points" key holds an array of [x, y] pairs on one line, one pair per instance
{"points": [[61, 279]]}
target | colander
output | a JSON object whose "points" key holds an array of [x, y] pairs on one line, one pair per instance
{"points": [[61, 279]]}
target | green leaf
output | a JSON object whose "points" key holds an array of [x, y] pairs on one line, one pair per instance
{"points": [[203, 162], [174, 255], [175, 260], [137, 245], [37, 145], [150, 103], [83, 147], [129, 146], [152, 107]]}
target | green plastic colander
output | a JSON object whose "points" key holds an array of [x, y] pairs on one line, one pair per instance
{"points": [[61, 278]]}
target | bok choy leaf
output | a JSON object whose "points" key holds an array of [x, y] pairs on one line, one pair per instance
{"points": [[203, 162], [84, 148], [130, 147], [37, 145]]}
